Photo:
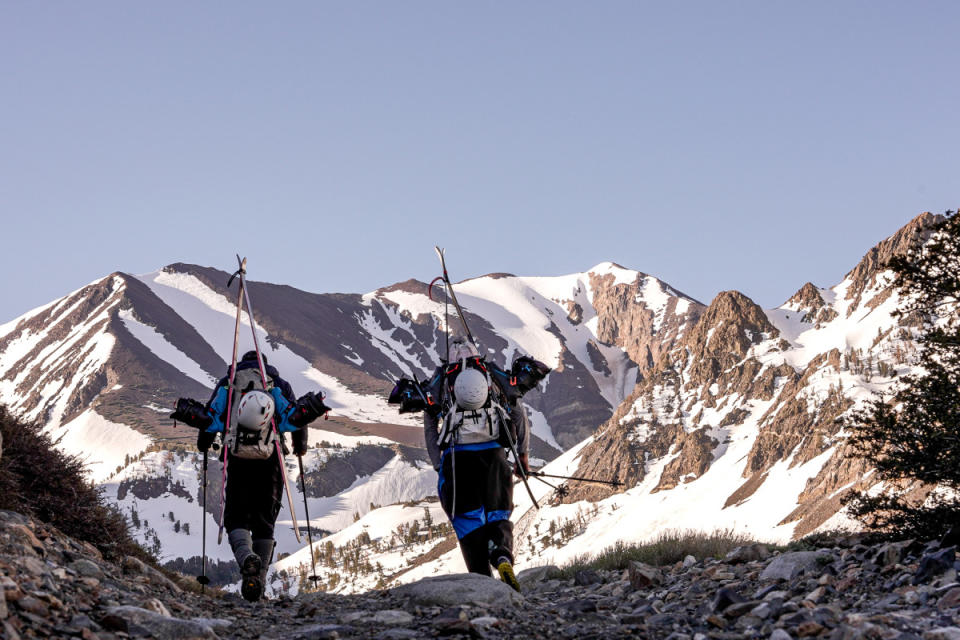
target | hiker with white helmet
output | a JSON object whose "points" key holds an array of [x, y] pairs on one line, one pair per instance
{"points": [[472, 416], [254, 483], [473, 419]]}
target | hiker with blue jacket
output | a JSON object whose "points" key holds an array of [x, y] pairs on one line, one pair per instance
{"points": [[254, 482]]}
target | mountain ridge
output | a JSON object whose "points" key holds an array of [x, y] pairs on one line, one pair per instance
{"points": [[727, 411]]}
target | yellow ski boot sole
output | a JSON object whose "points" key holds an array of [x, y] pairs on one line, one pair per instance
{"points": [[505, 569]]}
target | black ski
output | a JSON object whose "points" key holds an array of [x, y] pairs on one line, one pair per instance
{"points": [[452, 294]]}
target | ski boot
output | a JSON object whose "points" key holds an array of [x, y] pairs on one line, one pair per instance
{"points": [[505, 569], [251, 586], [264, 549]]}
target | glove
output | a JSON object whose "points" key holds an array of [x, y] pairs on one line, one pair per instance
{"points": [[408, 395], [192, 413], [522, 463], [309, 407], [528, 373], [300, 439], [205, 439]]}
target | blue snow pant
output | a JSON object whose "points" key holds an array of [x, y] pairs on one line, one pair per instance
{"points": [[478, 499]]}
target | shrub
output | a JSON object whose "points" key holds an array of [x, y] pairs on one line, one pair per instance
{"points": [[912, 440], [667, 548], [43, 482]]}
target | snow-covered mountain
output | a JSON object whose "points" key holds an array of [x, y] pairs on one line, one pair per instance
{"points": [[102, 367], [719, 416], [734, 425]]}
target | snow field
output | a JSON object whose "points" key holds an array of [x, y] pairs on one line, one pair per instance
{"points": [[158, 345], [101, 444], [380, 525]]}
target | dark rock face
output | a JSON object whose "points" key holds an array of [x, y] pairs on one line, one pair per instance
{"points": [[340, 471]]}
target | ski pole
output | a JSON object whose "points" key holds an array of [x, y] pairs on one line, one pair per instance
{"points": [[263, 378], [202, 578], [612, 483], [306, 514], [516, 456], [561, 491], [230, 379]]}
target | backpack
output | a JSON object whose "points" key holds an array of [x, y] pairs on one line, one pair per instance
{"points": [[471, 426], [243, 442]]}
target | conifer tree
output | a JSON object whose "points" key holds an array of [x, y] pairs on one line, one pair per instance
{"points": [[913, 440]]}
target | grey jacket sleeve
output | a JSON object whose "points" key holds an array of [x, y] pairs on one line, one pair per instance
{"points": [[431, 436]]}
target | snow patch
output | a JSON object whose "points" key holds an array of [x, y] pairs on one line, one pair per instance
{"points": [[158, 345]]}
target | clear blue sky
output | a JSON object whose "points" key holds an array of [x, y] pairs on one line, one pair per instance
{"points": [[717, 145]]}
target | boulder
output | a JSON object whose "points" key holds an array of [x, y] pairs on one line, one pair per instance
{"points": [[456, 589], [141, 622], [538, 574], [748, 553], [790, 565], [643, 575]]}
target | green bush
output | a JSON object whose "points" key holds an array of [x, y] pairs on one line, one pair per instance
{"points": [[42, 482], [912, 439]]}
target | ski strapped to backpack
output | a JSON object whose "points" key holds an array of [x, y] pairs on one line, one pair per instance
{"points": [[233, 371], [451, 294], [241, 273]]}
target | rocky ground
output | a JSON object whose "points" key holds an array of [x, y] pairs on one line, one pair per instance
{"points": [[56, 587]]}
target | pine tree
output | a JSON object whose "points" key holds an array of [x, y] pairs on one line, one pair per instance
{"points": [[914, 439]]}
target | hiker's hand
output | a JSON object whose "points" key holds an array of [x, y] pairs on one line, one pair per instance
{"points": [[522, 463], [300, 440], [205, 439]]}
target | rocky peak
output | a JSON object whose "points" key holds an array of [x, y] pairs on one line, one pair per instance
{"points": [[808, 297], [811, 304], [730, 326], [408, 286], [864, 275], [627, 319]]}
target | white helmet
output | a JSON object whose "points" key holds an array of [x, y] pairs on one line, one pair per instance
{"points": [[255, 410], [470, 389]]}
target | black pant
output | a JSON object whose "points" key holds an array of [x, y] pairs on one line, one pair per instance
{"points": [[254, 490], [476, 492]]}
